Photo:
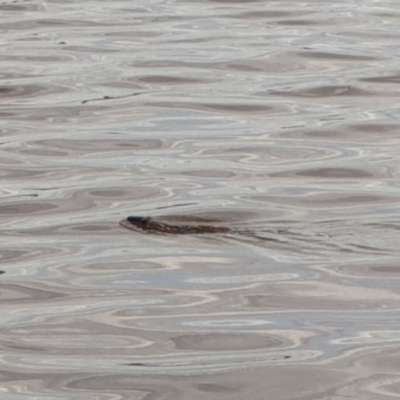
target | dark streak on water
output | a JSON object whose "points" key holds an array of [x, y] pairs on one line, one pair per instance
{"points": [[275, 118]]}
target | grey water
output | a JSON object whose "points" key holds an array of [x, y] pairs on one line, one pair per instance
{"points": [[274, 117]]}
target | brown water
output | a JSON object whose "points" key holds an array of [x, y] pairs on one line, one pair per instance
{"points": [[280, 119]]}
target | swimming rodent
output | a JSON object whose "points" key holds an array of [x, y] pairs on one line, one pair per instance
{"points": [[150, 225]]}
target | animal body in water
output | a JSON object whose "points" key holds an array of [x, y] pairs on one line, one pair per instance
{"points": [[150, 225], [184, 225]]}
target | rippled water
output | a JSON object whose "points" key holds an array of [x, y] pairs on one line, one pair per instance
{"points": [[277, 119]]}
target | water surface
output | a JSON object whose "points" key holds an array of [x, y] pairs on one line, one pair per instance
{"points": [[276, 118]]}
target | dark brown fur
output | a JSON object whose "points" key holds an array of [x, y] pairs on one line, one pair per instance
{"points": [[147, 224]]}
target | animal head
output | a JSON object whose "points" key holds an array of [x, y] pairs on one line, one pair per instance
{"points": [[140, 222]]}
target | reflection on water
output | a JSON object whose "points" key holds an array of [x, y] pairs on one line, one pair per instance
{"points": [[276, 120]]}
